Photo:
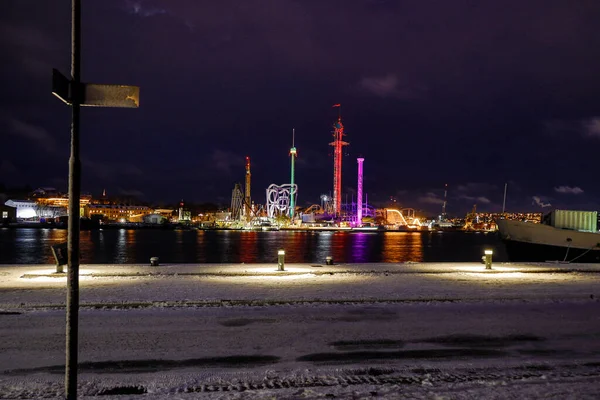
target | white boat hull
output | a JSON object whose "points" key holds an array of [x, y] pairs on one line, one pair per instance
{"points": [[527, 241]]}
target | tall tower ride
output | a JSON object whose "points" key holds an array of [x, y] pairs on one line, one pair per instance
{"points": [[359, 192], [292, 190], [338, 143], [443, 216], [247, 199]]}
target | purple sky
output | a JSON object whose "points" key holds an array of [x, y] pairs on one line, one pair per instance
{"points": [[469, 93]]}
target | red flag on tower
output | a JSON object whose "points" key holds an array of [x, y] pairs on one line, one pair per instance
{"points": [[336, 105]]}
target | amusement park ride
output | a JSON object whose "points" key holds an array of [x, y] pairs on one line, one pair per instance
{"points": [[281, 208]]}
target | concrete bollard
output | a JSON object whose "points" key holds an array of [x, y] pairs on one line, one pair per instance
{"points": [[329, 260], [281, 260], [154, 261], [488, 259], [60, 255]]}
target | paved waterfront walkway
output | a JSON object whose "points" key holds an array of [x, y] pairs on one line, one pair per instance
{"points": [[414, 331], [27, 286], [105, 270]]}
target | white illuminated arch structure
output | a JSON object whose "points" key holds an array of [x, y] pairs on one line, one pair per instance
{"points": [[278, 199]]}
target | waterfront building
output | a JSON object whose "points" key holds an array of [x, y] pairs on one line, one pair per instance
{"points": [[62, 202], [50, 197], [25, 209], [154, 219], [45, 203], [166, 213], [117, 212], [7, 214], [185, 216], [31, 210]]}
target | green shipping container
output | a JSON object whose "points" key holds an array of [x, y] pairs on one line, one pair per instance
{"points": [[577, 220]]}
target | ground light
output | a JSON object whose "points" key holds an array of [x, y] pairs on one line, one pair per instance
{"points": [[488, 258], [281, 260]]}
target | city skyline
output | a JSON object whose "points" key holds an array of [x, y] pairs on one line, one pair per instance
{"points": [[472, 95]]}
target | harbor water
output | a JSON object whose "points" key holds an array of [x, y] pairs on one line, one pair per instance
{"points": [[122, 246]]}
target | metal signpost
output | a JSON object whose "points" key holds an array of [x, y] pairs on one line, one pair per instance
{"points": [[75, 93]]}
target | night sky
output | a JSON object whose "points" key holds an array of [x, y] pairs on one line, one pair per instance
{"points": [[469, 93]]}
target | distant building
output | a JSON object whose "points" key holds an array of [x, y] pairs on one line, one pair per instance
{"points": [[31, 210], [184, 215], [25, 209], [45, 202], [117, 212], [45, 192], [7, 214], [165, 212], [50, 197], [153, 219]]}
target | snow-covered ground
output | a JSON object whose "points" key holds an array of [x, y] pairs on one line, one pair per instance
{"points": [[448, 330]]}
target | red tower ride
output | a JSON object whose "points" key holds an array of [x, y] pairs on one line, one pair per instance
{"points": [[338, 143]]}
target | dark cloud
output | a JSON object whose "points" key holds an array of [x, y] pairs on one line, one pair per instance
{"points": [[537, 200], [223, 162], [568, 190], [32, 46], [430, 198], [591, 127], [390, 86], [131, 192], [431, 92], [34, 135], [479, 199], [142, 9], [8, 170], [112, 172], [473, 187]]}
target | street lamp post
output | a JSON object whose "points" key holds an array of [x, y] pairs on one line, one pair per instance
{"points": [[76, 94], [72, 328]]}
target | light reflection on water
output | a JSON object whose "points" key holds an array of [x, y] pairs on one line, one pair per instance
{"points": [[402, 246], [121, 246], [32, 246]]}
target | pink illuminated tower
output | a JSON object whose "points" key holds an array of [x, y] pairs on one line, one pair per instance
{"points": [[248, 200], [338, 143], [359, 192]]}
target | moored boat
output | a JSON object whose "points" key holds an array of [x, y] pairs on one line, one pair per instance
{"points": [[564, 235]]}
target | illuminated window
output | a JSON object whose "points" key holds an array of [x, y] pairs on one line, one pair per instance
{"points": [[4, 214]]}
